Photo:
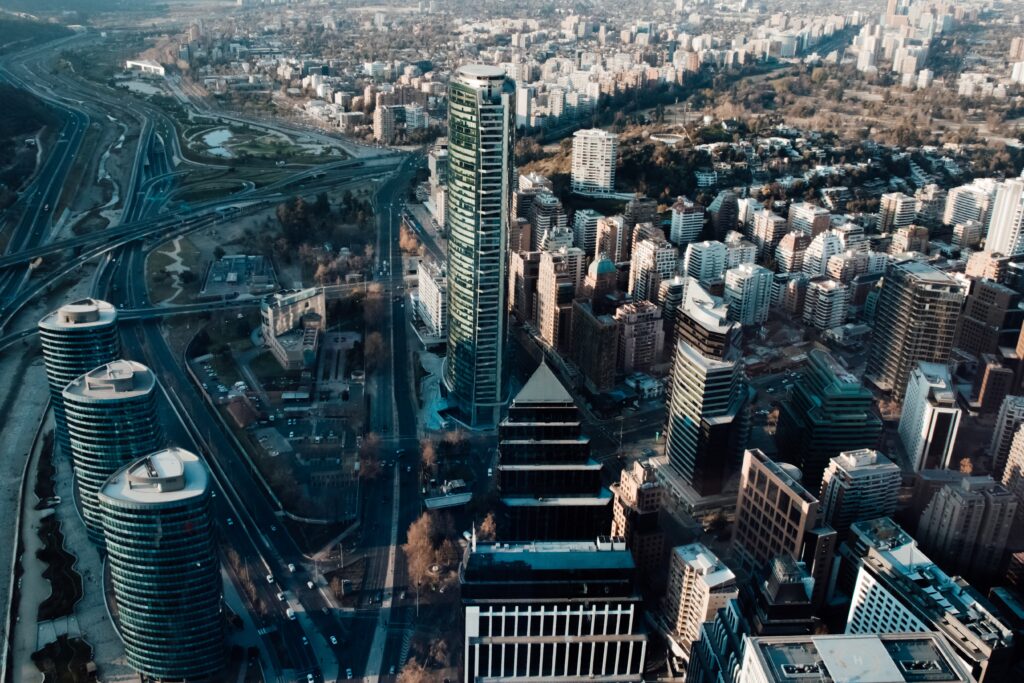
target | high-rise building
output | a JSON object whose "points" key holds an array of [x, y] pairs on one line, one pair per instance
{"points": [[915, 319], [748, 293], [640, 210], [970, 203], [896, 589], [892, 658], [613, 238], [699, 584], [76, 338], [480, 125], [523, 271], [635, 510], [432, 297], [829, 412], [776, 515], [895, 211], [705, 261], [708, 418], [549, 222], [909, 238], [550, 487], [641, 336], [595, 349], [654, 260], [858, 485], [702, 321], [562, 611], [789, 255], [766, 230], [558, 278], [992, 318], [670, 298], [738, 250], [824, 246], [966, 527], [687, 222], [808, 219], [724, 211], [593, 161], [163, 566], [930, 418], [584, 228], [1006, 223], [825, 303], [1009, 420], [111, 420], [1013, 472]]}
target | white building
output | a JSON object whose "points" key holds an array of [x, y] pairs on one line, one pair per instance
{"points": [[809, 219], [705, 261], [687, 222], [858, 485], [653, 261], [896, 210], [970, 202], [1006, 225], [584, 229], [748, 292], [825, 303], [1011, 416], [593, 161], [930, 418], [823, 247], [699, 584], [433, 298]]}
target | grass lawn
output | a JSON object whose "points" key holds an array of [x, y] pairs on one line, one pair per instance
{"points": [[164, 281]]}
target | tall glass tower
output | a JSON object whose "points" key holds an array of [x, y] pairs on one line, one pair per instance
{"points": [[76, 338], [480, 154], [111, 420], [163, 566]]}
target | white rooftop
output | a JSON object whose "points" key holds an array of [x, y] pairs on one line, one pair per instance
{"points": [[167, 476]]}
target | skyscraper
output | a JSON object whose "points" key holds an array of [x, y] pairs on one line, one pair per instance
{"points": [[808, 219], [825, 303], [635, 517], [641, 336], [559, 276], [858, 485], [930, 418], [111, 419], [1006, 223], [992, 318], [76, 338], [1011, 416], [895, 211], [480, 137], [748, 293], [653, 260], [829, 411], [687, 222], [824, 246], [593, 161], [915, 319], [163, 566], [699, 584], [584, 229], [705, 261], [550, 487]]}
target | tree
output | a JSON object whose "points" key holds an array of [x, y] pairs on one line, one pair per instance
{"points": [[966, 466], [488, 529], [336, 587], [373, 351], [369, 456], [414, 672], [428, 455], [420, 550]]}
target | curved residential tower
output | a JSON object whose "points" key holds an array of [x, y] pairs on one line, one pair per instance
{"points": [[163, 566], [111, 421], [480, 131], [76, 338]]}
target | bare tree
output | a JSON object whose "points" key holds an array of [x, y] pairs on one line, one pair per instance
{"points": [[966, 466], [428, 455], [373, 351], [420, 548], [369, 456], [414, 672]]}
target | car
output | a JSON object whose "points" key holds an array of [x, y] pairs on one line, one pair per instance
{"points": [[490, 472], [305, 640], [408, 469], [334, 640], [291, 435], [391, 671], [291, 613], [310, 679], [273, 527], [310, 585], [270, 578], [281, 597], [348, 674], [231, 522], [291, 567]]}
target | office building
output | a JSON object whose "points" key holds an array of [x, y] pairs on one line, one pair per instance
{"points": [[292, 323], [1009, 420], [897, 589], [702, 321], [858, 485], [823, 247], [163, 566], [881, 658], [558, 278], [551, 610], [699, 584], [966, 527], [896, 211], [930, 418], [654, 260], [705, 261], [789, 254], [829, 412], [76, 338], [708, 418], [637, 503], [641, 336], [593, 161], [748, 293], [595, 349], [970, 203], [432, 297], [584, 230], [549, 486], [825, 303], [111, 421], [776, 515], [687, 222], [808, 219], [992, 318], [915, 319], [480, 125], [1006, 223]]}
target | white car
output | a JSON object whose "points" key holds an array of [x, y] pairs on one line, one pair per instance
{"points": [[270, 578], [334, 640], [291, 568]]}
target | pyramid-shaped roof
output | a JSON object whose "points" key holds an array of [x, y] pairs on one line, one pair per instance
{"points": [[543, 387]]}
